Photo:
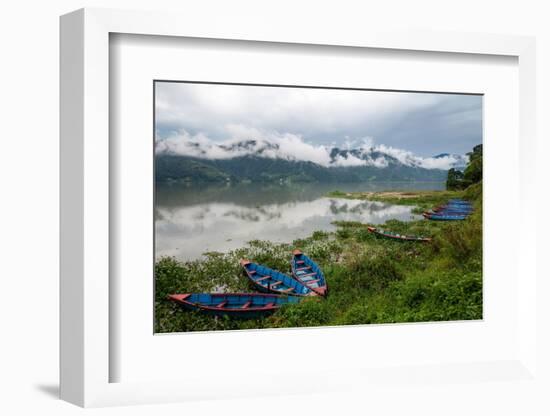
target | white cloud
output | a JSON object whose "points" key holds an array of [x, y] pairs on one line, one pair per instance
{"points": [[244, 140], [212, 106]]}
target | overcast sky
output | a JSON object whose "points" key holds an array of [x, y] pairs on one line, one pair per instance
{"points": [[424, 124]]}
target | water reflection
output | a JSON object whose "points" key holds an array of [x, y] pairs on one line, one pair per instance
{"points": [[192, 220]]}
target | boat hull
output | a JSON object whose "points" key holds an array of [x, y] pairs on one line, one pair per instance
{"points": [[269, 280], [444, 217], [309, 273], [235, 305], [398, 237]]}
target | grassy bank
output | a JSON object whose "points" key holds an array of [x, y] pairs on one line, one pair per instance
{"points": [[371, 280]]}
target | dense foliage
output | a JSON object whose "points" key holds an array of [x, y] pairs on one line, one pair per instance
{"points": [[371, 279], [473, 173]]}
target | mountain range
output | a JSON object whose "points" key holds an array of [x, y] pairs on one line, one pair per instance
{"points": [[265, 161]]}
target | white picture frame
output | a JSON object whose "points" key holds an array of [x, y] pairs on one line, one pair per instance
{"points": [[85, 210]]}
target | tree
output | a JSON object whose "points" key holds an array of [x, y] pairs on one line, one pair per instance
{"points": [[472, 174], [455, 179], [474, 171]]}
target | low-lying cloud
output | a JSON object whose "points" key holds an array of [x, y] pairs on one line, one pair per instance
{"points": [[245, 141]]}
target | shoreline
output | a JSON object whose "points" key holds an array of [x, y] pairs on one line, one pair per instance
{"points": [[372, 280]]}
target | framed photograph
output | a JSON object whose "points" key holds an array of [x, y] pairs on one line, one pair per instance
{"points": [[234, 202]]}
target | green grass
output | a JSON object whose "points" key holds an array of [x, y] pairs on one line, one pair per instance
{"points": [[371, 279]]}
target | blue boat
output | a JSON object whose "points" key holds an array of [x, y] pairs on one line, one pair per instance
{"points": [[451, 206], [396, 236], [462, 207], [447, 210], [308, 272], [237, 305], [459, 202], [444, 217], [269, 280]]}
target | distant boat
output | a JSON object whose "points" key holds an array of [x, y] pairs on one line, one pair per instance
{"points": [[308, 272], [459, 201], [269, 280], [451, 207], [238, 305], [443, 217], [397, 236], [450, 211]]}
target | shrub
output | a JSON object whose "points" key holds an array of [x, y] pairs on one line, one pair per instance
{"points": [[373, 273], [310, 312]]}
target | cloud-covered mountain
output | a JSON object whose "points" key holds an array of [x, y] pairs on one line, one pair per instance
{"points": [[292, 148]]}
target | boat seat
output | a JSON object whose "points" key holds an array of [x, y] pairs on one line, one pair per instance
{"points": [[303, 268], [300, 262], [308, 274], [222, 304], [310, 282], [252, 271], [261, 279], [269, 305], [246, 305], [277, 283], [290, 289]]}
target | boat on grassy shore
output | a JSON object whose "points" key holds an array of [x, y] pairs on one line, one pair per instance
{"points": [[238, 305], [443, 217], [308, 272], [269, 280], [453, 208], [397, 236]]}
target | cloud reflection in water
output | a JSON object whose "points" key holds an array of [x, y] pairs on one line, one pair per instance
{"points": [[188, 231]]}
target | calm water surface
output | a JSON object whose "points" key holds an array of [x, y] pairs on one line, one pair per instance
{"points": [[192, 219]]}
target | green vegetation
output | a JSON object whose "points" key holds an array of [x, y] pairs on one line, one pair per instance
{"points": [[471, 175], [371, 279], [268, 170]]}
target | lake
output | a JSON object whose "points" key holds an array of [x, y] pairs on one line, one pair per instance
{"points": [[193, 219]]}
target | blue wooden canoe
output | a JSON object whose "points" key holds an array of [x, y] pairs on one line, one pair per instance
{"points": [[397, 236], [447, 208], [449, 212], [443, 217], [308, 272], [453, 208], [238, 305], [269, 280]]}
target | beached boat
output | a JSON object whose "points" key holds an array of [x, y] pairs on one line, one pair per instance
{"points": [[460, 204], [269, 280], [443, 217], [453, 208], [449, 212], [397, 236], [308, 272], [238, 305]]}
